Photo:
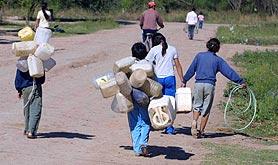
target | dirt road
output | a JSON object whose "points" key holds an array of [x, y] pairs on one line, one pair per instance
{"points": [[77, 125]]}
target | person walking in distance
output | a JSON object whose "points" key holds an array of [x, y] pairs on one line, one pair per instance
{"points": [[43, 33], [201, 19], [206, 65], [149, 20], [164, 57], [191, 20]]}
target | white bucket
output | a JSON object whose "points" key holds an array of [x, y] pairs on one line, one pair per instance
{"points": [[49, 64], [25, 48], [121, 104], [123, 83], [42, 35], [35, 67], [22, 64], [161, 112], [145, 65], [123, 65], [183, 100], [109, 88], [44, 51]]}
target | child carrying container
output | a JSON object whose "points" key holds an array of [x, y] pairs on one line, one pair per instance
{"points": [[138, 119], [164, 57], [206, 65], [30, 90]]}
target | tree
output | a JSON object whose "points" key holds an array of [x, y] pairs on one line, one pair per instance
{"points": [[235, 4]]}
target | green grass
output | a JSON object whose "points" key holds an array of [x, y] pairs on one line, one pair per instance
{"points": [[261, 34], [261, 73], [86, 27], [233, 154]]}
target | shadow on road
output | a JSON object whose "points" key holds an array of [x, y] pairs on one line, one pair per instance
{"points": [[68, 135], [170, 152], [187, 131], [4, 41]]}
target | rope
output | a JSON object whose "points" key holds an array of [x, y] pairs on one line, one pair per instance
{"points": [[252, 100]]}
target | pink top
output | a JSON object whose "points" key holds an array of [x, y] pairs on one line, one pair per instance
{"points": [[150, 19], [201, 17]]}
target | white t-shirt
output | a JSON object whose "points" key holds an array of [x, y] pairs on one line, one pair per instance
{"points": [[164, 65], [43, 22], [201, 17], [191, 18]]}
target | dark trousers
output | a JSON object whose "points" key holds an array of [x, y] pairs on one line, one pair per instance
{"points": [[191, 31], [146, 31]]}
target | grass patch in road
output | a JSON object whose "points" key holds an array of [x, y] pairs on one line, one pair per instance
{"points": [[261, 73], [262, 34], [86, 27], [234, 154]]}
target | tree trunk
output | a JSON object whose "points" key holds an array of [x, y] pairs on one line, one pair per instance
{"points": [[235, 4], [31, 11]]}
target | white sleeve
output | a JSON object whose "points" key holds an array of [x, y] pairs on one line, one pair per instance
{"points": [[150, 56], [176, 55], [39, 16], [186, 18]]}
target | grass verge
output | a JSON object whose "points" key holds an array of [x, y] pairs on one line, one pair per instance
{"points": [[262, 34], [86, 27], [234, 154], [261, 73]]}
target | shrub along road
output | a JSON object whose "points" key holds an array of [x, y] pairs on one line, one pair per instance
{"points": [[77, 125]]}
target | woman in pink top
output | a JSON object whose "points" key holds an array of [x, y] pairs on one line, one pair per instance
{"points": [[201, 19]]}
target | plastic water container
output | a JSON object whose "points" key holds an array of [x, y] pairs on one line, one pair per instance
{"points": [[26, 34], [123, 65], [102, 78], [35, 67], [109, 88], [161, 113], [22, 64], [138, 78], [123, 83], [42, 35], [183, 100], [145, 65], [152, 88], [49, 64], [140, 97], [121, 104], [25, 48], [44, 51]]}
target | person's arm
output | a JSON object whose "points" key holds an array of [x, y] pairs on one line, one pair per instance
{"points": [[179, 70], [190, 71], [186, 19], [159, 20], [142, 21], [37, 24], [229, 73]]}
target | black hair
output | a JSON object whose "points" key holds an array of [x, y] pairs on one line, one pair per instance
{"points": [[44, 8], [157, 39], [139, 51], [201, 13], [213, 45], [193, 9]]}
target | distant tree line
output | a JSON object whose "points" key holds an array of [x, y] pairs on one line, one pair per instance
{"points": [[263, 6]]}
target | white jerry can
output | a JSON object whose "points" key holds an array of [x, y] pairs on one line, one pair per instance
{"points": [[145, 65], [161, 112], [44, 51], [183, 100], [42, 35], [22, 64], [123, 83], [109, 88], [25, 48], [35, 67], [123, 65], [138, 78], [121, 104], [152, 88]]}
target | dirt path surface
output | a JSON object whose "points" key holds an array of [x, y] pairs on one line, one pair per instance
{"points": [[77, 125]]}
